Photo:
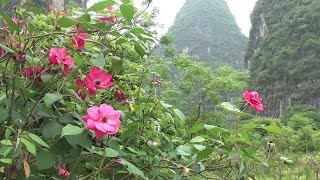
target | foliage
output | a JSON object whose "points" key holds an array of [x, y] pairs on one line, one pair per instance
{"points": [[283, 53], [195, 88], [77, 102]]}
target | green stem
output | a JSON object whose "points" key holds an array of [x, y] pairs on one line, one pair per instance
{"points": [[42, 93], [12, 93]]}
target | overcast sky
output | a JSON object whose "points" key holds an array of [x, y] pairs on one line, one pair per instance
{"points": [[168, 9]]}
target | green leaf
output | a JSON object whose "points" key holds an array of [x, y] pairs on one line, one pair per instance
{"points": [[67, 118], [82, 139], [7, 151], [38, 140], [165, 105], [243, 170], [99, 61], [197, 139], [31, 59], [13, 26], [109, 152], [4, 3], [70, 130], [101, 5], [6, 142], [132, 150], [7, 161], [29, 93], [132, 168], [233, 154], [45, 160], [8, 50], [51, 129], [17, 149], [272, 129], [228, 106], [117, 64], [29, 146], [195, 128], [66, 22], [127, 10], [184, 150], [179, 114], [139, 49], [85, 18], [50, 98], [204, 154], [3, 114], [215, 130], [199, 147], [46, 77]]}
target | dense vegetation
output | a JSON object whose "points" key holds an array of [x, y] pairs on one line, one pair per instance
{"points": [[92, 94], [283, 54], [207, 31], [44, 5], [82, 97]]}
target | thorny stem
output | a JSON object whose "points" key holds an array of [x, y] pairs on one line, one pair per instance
{"points": [[92, 175]]}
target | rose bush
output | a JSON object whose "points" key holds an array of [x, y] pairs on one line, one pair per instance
{"points": [[74, 103]]}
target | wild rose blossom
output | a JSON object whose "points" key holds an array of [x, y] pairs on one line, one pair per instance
{"points": [[110, 19], [103, 120], [80, 93], [78, 40], [59, 56], [64, 173], [98, 79], [254, 100]]}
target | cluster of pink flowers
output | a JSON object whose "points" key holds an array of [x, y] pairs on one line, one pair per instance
{"points": [[103, 120], [64, 173], [110, 19], [253, 99]]}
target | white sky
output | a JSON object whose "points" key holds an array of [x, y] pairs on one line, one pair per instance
{"points": [[168, 9]]}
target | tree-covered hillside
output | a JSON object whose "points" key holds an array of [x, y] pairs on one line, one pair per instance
{"points": [[9, 4], [206, 30], [283, 54]]}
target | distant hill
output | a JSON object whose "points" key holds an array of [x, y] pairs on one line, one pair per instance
{"points": [[207, 31], [284, 53]]}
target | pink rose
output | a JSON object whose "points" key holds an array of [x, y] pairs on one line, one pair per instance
{"points": [[59, 56], [98, 79], [79, 40], [103, 120], [254, 100]]}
